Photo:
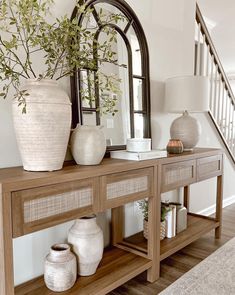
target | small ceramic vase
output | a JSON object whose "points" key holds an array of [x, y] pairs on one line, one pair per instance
{"points": [[60, 268], [87, 240], [88, 145], [175, 146]]}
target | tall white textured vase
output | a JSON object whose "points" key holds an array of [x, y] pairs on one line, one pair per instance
{"points": [[87, 240], [43, 132]]}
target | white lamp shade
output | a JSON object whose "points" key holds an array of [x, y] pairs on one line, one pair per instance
{"points": [[189, 93]]}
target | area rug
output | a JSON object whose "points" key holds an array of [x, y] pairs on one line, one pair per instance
{"points": [[215, 275]]}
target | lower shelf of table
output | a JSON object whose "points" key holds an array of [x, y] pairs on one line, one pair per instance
{"points": [[116, 268], [197, 226]]}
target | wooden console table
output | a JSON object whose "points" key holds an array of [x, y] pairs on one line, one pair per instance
{"points": [[31, 201]]}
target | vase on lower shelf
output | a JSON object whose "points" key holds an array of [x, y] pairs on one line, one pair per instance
{"points": [[162, 229], [60, 268], [87, 240]]}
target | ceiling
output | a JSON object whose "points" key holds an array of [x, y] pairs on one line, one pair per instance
{"points": [[222, 14]]}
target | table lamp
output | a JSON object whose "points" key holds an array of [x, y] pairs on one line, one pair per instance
{"points": [[184, 95]]}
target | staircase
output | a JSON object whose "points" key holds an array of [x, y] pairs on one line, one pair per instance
{"points": [[222, 100]]}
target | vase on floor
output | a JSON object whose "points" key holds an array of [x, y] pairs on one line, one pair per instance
{"points": [[60, 268], [86, 238], [88, 145], [42, 133]]}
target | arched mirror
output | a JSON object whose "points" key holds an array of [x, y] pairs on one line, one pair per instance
{"points": [[112, 89]]}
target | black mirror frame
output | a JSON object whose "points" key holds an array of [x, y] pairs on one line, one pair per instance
{"points": [[75, 79]]}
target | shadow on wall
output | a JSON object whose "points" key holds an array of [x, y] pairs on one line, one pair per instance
{"points": [[160, 120], [160, 127], [157, 96]]}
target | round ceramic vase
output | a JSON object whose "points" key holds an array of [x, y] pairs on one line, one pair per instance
{"points": [[60, 268], [87, 240], [43, 132], [88, 145]]}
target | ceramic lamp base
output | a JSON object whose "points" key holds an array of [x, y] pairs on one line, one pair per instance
{"points": [[187, 129]]}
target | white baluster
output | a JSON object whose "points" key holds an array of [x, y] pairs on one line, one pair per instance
{"points": [[215, 92], [223, 109], [233, 131], [207, 60], [212, 82], [218, 108], [226, 116], [229, 122], [203, 56], [198, 51]]}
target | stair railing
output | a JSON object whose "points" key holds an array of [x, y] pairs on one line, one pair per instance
{"points": [[222, 100]]}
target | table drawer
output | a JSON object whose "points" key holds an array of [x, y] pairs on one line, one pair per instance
{"points": [[209, 167], [177, 175], [38, 208], [125, 187]]}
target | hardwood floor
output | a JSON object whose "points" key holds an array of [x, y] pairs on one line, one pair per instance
{"points": [[176, 265]]}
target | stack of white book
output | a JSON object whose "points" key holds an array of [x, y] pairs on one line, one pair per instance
{"points": [[176, 219], [171, 221], [138, 156]]}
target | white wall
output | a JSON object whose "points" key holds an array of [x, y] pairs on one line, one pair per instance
{"points": [[169, 26]]}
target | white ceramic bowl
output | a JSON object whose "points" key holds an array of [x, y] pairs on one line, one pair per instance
{"points": [[138, 144]]}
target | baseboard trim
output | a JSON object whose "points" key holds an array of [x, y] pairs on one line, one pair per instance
{"points": [[210, 210]]}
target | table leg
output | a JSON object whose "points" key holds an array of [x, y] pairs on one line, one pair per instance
{"points": [[117, 224], [186, 196], [219, 200], [6, 248], [154, 230]]}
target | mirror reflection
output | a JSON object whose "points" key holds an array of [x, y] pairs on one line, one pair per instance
{"points": [[118, 87]]}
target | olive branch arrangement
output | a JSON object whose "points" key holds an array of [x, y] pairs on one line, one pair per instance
{"points": [[28, 31]]}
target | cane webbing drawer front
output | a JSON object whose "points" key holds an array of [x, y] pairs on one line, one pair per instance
{"points": [[49, 206], [209, 167], [35, 208], [178, 174], [129, 186]]}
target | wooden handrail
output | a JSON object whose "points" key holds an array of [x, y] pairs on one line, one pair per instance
{"points": [[209, 42], [222, 107], [222, 136]]}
